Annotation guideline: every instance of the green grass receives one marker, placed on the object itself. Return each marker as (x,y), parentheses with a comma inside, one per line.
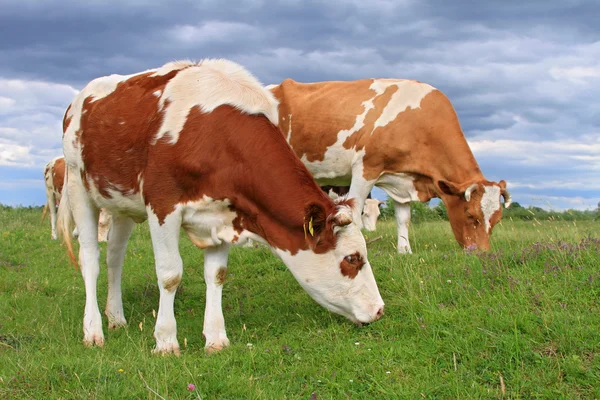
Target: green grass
(457,324)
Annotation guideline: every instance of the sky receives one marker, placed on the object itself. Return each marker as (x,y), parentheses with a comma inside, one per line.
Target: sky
(523,76)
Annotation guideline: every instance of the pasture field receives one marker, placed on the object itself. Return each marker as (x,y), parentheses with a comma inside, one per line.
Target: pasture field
(520,322)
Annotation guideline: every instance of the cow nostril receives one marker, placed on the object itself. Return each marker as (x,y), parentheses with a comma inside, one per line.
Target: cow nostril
(380,313)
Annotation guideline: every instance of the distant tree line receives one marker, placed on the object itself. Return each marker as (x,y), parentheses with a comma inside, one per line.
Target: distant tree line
(421,212)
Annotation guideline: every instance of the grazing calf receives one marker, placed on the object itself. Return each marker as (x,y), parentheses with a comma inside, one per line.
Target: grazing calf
(54,174)
(400,135)
(195,146)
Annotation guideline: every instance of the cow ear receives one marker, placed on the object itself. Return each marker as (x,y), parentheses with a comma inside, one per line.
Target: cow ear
(315,219)
(448,188)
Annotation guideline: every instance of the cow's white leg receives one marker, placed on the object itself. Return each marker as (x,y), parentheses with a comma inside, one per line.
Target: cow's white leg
(169,270)
(402,212)
(359,190)
(215,270)
(115,254)
(85,215)
(52,209)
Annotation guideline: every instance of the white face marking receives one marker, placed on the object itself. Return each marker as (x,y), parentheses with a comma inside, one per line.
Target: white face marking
(320,275)
(210,84)
(490,203)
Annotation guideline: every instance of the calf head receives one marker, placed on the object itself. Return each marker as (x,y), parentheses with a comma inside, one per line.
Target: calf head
(370,214)
(334,269)
(474,209)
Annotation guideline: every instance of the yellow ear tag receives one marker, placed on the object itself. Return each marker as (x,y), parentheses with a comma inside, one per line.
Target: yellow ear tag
(310,227)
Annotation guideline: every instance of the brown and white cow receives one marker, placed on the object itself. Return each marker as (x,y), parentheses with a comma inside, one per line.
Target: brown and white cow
(400,135)
(196,146)
(54,173)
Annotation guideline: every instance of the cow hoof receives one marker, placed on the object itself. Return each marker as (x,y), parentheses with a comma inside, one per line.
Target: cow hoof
(215,347)
(93,339)
(116,323)
(167,348)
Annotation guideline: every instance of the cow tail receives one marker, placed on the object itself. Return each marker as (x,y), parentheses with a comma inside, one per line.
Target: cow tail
(44,212)
(65,222)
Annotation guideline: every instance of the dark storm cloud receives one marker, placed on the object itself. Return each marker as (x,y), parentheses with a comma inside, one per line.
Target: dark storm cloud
(517,72)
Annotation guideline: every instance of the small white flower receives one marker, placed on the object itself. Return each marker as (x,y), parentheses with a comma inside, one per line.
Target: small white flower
(449,281)
(388,372)
(357,343)
(249,345)
(350,380)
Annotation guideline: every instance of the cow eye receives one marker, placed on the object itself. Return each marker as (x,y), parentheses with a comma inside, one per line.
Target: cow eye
(355,259)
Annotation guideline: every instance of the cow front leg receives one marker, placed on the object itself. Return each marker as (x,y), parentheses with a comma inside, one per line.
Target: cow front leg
(359,190)
(215,271)
(115,254)
(402,213)
(169,270)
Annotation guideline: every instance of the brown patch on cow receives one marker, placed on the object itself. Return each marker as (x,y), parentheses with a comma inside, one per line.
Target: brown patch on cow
(248,158)
(221,276)
(131,99)
(171,284)
(313,132)
(351,265)
(58,174)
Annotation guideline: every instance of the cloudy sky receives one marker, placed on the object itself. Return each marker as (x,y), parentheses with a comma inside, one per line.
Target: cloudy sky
(524,76)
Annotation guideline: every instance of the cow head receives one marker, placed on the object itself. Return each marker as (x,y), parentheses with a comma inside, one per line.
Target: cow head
(334,269)
(474,209)
(370,214)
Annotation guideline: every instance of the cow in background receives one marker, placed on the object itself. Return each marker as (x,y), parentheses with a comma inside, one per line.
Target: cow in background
(400,135)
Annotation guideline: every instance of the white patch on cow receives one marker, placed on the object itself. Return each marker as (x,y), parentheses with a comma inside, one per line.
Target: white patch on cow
(320,275)
(409,95)
(171,66)
(157,93)
(490,203)
(400,187)
(208,85)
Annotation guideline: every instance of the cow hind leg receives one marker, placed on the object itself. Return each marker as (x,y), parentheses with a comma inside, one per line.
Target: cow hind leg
(169,270)
(52,209)
(85,214)
(115,254)
(215,271)
(402,213)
